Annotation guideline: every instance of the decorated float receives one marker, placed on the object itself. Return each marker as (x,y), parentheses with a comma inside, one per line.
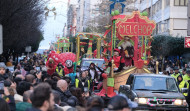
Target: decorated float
(62,45)
(80,45)
(135,30)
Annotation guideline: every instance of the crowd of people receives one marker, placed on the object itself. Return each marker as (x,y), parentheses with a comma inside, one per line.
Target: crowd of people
(30,88)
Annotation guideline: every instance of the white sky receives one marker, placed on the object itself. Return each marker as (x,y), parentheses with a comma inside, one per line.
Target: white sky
(55,27)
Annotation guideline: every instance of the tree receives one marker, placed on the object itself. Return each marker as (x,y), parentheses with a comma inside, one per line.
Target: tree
(22,22)
(165,45)
(103,16)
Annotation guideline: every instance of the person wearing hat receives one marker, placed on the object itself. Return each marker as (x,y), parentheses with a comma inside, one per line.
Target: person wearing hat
(182,84)
(186,77)
(119,62)
(176,73)
(3,75)
(59,70)
(121,103)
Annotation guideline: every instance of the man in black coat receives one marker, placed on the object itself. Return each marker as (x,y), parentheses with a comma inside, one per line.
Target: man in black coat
(62,89)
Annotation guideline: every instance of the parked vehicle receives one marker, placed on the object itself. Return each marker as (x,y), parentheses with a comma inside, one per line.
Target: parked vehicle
(154,92)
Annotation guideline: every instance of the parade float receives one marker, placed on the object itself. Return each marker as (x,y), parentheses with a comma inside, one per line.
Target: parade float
(62,45)
(80,45)
(138,29)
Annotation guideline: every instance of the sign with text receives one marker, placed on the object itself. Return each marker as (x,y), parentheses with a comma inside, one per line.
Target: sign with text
(187,42)
(135,25)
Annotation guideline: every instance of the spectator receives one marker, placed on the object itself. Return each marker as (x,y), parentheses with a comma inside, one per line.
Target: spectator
(3,105)
(52,83)
(42,98)
(181,62)
(183,72)
(171,71)
(22,106)
(55,76)
(186,65)
(30,78)
(18,69)
(121,103)
(95,104)
(78,70)
(21,88)
(62,89)
(9,99)
(73,77)
(72,101)
(68,80)
(57,101)
(17,80)
(9,63)
(79,95)
(20,76)
(45,76)
(165,72)
(3,75)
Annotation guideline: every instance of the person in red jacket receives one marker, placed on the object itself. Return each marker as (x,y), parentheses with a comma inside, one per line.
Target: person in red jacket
(119,62)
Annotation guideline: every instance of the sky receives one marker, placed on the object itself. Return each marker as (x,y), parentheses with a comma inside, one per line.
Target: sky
(55,27)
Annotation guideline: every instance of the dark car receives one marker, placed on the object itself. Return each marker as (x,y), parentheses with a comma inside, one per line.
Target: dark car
(154,92)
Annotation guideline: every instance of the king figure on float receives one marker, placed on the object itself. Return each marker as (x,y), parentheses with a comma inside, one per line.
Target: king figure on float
(127,50)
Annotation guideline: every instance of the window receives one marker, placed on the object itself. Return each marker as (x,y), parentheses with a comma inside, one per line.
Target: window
(176,2)
(180,2)
(186,2)
(155,84)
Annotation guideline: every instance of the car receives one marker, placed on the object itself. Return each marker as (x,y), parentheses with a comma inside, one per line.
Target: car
(154,92)
(85,63)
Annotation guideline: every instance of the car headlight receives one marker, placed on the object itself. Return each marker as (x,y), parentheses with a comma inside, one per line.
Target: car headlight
(178,102)
(141,100)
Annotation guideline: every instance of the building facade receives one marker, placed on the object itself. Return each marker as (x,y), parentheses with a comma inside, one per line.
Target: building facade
(71,20)
(86,11)
(170,15)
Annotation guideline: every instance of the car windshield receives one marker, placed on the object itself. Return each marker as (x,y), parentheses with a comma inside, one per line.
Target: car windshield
(86,63)
(155,84)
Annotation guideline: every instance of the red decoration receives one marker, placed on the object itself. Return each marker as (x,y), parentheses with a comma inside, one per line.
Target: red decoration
(136,25)
(187,42)
(61,58)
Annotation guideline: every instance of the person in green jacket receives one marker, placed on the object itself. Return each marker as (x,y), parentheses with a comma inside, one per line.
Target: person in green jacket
(22,106)
(176,73)
(182,84)
(186,77)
